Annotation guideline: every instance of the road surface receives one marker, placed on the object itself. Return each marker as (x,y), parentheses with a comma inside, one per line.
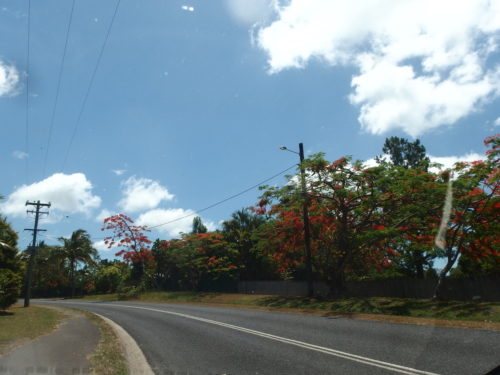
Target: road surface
(190,339)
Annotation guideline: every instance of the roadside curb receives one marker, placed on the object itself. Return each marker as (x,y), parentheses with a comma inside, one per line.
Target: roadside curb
(136,361)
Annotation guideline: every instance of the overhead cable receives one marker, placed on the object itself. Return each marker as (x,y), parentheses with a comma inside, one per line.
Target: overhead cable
(226,199)
(56,100)
(26,133)
(92,78)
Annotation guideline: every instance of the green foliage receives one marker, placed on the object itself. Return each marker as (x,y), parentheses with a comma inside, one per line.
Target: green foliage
(10,267)
(406,154)
(242,233)
(198,226)
(351,214)
(10,283)
(194,262)
(130,292)
(75,250)
(110,278)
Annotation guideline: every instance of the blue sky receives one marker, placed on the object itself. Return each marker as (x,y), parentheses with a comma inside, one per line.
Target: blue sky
(191,100)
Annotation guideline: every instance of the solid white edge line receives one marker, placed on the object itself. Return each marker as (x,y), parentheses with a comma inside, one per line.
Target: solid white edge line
(353,357)
(136,360)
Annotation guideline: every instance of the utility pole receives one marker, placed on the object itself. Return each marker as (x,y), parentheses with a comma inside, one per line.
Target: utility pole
(307,231)
(32,248)
(305,219)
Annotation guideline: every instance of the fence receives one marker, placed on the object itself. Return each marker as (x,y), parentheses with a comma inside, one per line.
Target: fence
(487,289)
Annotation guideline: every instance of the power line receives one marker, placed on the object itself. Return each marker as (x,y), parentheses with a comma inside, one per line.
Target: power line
(58,89)
(26,135)
(221,201)
(77,123)
(226,199)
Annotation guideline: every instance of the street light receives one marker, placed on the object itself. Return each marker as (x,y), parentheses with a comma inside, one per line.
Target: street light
(305,217)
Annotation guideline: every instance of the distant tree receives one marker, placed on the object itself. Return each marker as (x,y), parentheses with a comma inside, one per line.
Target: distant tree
(50,271)
(132,242)
(241,232)
(187,262)
(111,275)
(77,249)
(198,226)
(406,154)
(10,276)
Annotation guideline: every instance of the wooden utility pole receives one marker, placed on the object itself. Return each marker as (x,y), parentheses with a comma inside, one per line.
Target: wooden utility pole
(305,218)
(32,248)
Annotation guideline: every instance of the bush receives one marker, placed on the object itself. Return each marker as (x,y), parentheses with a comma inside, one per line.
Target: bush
(10,267)
(10,285)
(129,292)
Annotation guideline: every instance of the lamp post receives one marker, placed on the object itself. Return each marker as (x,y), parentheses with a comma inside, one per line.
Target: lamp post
(305,218)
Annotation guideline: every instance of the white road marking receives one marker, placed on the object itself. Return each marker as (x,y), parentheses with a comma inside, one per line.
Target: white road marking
(337,353)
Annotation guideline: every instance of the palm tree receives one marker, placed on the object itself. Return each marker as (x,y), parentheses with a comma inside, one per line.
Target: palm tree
(77,249)
(240,231)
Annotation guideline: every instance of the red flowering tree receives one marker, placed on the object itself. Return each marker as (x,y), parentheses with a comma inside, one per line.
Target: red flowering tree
(416,214)
(130,240)
(194,261)
(474,222)
(350,216)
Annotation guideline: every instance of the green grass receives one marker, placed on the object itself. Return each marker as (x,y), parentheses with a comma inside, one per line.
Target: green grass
(19,323)
(421,308)
(108,358)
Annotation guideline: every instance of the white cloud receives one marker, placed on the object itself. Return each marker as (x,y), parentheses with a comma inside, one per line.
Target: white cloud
(118,172)
(100,246)
(188,8)
(446,161)
(19,155)
(449,161)
(9,79)
(422,64)
(178,219)
(103,215)
(142,194)
(248,13)
(497,122)
(67,193)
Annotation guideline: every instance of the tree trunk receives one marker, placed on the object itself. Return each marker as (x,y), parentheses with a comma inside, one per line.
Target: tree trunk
(72,266)
(337,285)
(438,291)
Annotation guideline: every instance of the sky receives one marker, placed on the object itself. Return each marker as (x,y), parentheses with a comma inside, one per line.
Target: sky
(160,108)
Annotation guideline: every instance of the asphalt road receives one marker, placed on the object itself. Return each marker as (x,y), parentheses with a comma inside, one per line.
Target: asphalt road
(189,339)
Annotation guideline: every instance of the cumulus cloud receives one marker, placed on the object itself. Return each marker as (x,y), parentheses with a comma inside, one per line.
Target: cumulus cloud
(19,155)
(142,194)
(9,79)
(178,219)
(421,63)
(100,246)
(118,172)
(445,161)
(247,13)
(68,194)
(449,161)
(497,122)
(103,215)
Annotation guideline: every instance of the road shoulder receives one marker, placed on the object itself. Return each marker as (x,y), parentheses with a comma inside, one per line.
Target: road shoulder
(64,350)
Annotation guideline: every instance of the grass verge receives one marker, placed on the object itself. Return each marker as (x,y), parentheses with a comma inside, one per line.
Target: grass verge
(417,311)
(108,357)
(19,324)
